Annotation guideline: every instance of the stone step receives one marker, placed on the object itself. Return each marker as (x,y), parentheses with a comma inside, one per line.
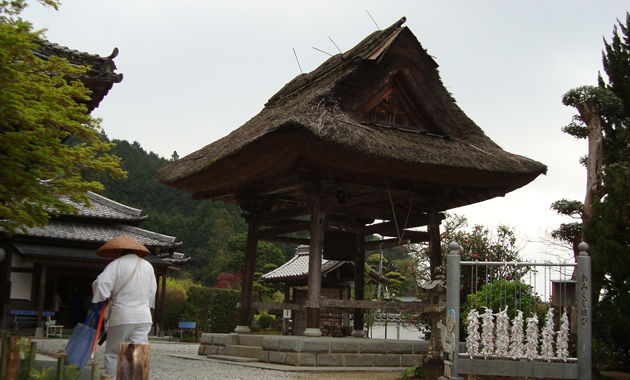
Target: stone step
(236,359)
(244,351)
(250,340)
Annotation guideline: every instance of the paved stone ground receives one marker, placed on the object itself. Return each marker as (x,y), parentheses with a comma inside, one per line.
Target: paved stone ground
(165,364)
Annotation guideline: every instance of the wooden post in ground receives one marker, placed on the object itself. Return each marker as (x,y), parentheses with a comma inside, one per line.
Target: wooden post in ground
(13,359)
(133,361)
(96,369)
(4,341)
(61,366)
(30,363)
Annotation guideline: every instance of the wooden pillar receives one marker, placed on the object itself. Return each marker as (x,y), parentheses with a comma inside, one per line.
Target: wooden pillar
(39,332)
(287,299)
(359,290)
(242,322)
(5,287)
(315,271)
(435,248)
(162,304)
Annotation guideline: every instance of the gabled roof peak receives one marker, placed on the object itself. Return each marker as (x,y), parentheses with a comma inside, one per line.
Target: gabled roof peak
(371,48)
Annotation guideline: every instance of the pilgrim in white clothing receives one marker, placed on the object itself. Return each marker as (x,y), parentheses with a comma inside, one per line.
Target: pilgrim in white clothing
(130,319)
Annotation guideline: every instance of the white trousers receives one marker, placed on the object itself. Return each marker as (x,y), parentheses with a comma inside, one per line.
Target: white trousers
(133,333)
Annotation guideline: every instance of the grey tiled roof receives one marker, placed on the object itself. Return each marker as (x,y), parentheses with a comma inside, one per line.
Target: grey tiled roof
(73,253)
(106,208)
(100,233)
(298,266)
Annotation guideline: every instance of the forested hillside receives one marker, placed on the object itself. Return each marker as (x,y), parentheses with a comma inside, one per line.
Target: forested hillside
(203,226)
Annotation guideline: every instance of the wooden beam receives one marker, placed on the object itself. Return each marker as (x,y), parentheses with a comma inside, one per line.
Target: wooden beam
(275,306)
(286,240)
(343,227)
(387,243)
(414,220)
(378,228)
(284,229)
(360,304)
(273,216)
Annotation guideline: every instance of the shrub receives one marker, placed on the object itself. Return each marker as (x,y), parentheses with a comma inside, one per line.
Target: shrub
(213,309)
(265,321)
(174,308)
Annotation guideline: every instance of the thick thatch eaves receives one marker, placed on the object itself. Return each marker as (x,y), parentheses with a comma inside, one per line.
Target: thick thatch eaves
(329,121)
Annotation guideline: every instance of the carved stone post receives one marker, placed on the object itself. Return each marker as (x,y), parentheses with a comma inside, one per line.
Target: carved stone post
(452,298)
(584,313)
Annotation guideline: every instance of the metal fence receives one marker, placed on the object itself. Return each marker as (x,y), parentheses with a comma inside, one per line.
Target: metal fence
(575,368)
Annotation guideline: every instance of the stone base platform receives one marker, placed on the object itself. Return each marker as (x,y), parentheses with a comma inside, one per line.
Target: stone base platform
(302,351)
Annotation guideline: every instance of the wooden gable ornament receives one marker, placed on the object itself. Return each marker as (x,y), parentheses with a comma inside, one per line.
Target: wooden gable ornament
(392,108)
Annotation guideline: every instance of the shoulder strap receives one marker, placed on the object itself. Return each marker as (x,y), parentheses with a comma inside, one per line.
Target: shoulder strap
(127,280)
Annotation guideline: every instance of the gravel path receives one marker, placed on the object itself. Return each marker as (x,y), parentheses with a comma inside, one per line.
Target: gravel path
(163,366)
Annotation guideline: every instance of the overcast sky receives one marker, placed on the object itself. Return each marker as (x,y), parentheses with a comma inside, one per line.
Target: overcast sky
(194,70)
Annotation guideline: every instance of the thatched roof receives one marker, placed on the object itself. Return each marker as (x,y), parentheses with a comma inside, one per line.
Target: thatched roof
(332,123)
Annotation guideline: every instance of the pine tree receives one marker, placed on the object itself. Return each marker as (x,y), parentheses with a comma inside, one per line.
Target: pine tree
(605,224)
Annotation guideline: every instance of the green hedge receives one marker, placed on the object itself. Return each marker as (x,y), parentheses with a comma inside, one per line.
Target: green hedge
(174,308)
(213,309)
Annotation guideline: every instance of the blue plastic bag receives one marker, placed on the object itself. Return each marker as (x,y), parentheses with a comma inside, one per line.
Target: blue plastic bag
(79,346)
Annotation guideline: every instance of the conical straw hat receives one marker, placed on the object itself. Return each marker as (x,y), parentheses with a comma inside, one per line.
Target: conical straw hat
(115,247)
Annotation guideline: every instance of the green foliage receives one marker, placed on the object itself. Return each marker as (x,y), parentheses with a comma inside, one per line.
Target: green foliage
(496,296)
(42,107)
(213,309)
(414,372)
(203,226)
(265,320)
(174,307)
(478,243)
(234,251)
(180,284)
(569,233)
(607,232)
(395,282)
(374,259)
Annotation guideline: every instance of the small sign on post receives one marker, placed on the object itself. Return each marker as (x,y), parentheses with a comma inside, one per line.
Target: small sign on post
(286,314)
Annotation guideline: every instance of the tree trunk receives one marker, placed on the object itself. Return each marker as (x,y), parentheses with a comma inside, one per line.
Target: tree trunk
(593,122)
(594,182)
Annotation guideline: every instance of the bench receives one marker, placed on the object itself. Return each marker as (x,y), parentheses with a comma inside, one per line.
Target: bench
(183,327)
(53,328)
(24,317)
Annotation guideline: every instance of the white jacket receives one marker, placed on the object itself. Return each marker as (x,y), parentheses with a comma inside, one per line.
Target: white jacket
(133,302)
